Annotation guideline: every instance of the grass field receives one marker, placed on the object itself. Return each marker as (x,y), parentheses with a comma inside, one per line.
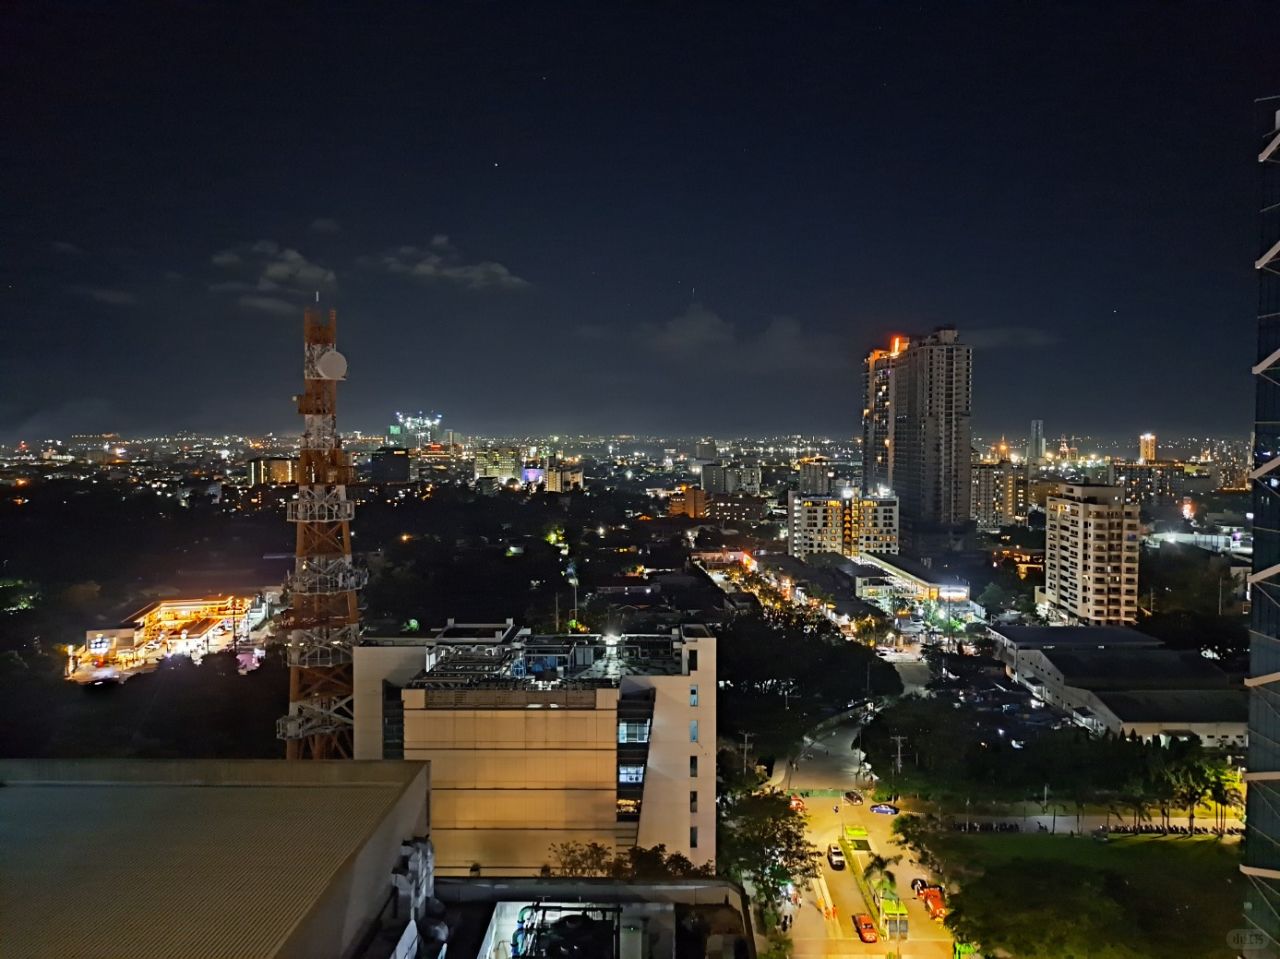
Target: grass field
(1184,895)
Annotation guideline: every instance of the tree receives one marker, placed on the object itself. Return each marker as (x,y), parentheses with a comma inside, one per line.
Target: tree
(994,598)
(879,875)
(1025,909)
(762,841)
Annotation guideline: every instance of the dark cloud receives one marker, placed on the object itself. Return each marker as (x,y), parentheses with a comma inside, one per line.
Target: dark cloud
(441,264)
(702,336)
(102,294)
(268,304)
(267,267)
(324,224)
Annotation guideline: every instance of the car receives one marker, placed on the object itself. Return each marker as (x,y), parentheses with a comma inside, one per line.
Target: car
(865,928)
(884,809)
(835,856)
(797,804)
(853,797)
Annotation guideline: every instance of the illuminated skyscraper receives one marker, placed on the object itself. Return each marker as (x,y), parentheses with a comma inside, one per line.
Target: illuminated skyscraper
(931,442)
(877,416)
(1147,448)
(1036,447)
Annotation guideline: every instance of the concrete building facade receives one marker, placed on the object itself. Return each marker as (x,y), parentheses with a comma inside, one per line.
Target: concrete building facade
(1091,556)
(849,524)
(999,494)
(932,442)
(540,740)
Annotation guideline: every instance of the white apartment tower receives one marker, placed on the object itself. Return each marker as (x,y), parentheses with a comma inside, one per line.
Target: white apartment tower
(1091,556)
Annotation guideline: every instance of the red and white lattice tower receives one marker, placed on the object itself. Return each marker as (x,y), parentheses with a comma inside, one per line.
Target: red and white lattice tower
(323,618)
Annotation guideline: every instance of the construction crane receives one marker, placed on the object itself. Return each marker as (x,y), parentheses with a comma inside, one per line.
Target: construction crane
(323,618)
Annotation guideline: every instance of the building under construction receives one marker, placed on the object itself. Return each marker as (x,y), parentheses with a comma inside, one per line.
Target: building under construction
(323,619)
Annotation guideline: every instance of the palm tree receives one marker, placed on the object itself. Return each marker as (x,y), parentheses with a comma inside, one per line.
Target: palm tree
(1224,794)
(1192,786)
(879,877)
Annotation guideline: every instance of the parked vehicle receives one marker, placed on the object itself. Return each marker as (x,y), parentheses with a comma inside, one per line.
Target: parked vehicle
(865,927)
(917,884)
(931,896)
(797,804)
(853,797)
(884,809)
(835,856)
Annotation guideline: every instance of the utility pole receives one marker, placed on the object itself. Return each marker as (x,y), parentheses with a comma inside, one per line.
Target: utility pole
(746,744)
(898,741)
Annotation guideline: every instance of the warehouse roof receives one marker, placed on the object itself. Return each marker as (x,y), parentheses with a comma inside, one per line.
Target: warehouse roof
(1074,637)
(181,859)
(1126,669)
(1178,705)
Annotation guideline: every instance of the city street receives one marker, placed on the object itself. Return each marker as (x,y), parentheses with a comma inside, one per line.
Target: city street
(830,763)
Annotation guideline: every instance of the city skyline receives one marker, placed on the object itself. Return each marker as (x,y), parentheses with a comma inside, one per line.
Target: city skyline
(506,233)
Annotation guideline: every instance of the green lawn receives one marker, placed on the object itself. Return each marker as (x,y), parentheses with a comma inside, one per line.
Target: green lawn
(1180,896)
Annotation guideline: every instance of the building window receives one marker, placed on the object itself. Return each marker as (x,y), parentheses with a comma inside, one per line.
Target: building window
(693,695)
(693,837)
(693,800)
(693,730)
(630,774)
(631,731)
(693,660)
(693,767)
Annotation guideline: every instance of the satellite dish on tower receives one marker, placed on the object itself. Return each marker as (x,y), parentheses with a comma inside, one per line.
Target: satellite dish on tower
(332,366)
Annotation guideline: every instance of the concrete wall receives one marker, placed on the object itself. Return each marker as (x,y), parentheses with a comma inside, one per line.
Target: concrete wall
(665,816)
(508,783)
(372,664)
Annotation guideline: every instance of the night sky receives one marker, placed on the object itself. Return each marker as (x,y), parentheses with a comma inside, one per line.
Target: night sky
(628,217)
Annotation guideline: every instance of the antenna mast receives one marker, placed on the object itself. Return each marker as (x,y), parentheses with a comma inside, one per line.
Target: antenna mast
(323,616)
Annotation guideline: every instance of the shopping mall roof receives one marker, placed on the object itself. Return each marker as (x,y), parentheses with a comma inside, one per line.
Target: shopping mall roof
(1075,637)
(180,859)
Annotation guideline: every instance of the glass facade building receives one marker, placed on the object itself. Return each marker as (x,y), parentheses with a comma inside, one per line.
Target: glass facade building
(1262,839)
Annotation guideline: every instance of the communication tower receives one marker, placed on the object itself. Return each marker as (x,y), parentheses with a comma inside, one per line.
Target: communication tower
(323,618)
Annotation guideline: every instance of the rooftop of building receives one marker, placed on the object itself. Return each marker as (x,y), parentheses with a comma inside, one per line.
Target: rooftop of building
(1130,668)
(1075,637)
(169,858)
(573,661)
(905,566)
(1178,705)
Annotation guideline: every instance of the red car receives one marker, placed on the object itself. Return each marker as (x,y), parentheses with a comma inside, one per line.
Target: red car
(866,929)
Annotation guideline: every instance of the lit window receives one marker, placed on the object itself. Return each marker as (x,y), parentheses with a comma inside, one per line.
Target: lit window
(693,730)
(693,695)
(630,774)
(633,731)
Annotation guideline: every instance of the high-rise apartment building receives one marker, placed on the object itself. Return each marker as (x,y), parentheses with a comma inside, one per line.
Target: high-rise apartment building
(931,442)
(1091,556)
(1261,864)
(1035,446)
(502,465)
(272,470)
(1147,448)
(877,417)
(718,479)
(1147,483)
(848,524)
(999,494)
(816,477)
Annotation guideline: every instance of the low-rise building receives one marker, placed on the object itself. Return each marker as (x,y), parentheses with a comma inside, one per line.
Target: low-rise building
(262,858)
(540,740)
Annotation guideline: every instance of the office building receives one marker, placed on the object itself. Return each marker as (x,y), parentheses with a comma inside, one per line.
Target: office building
(735,509)
(390,465)
(213,858)
(272,470)
(705,450)
(719,479)
(539,740)
(1091,556)
(499,465)
(931,443)
(564,479)
(688,501)
(816,477)
(999,494)
(1146,483)
(849,524)
(1147,448)
(1262,842)
(877,417)
(1035,445)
